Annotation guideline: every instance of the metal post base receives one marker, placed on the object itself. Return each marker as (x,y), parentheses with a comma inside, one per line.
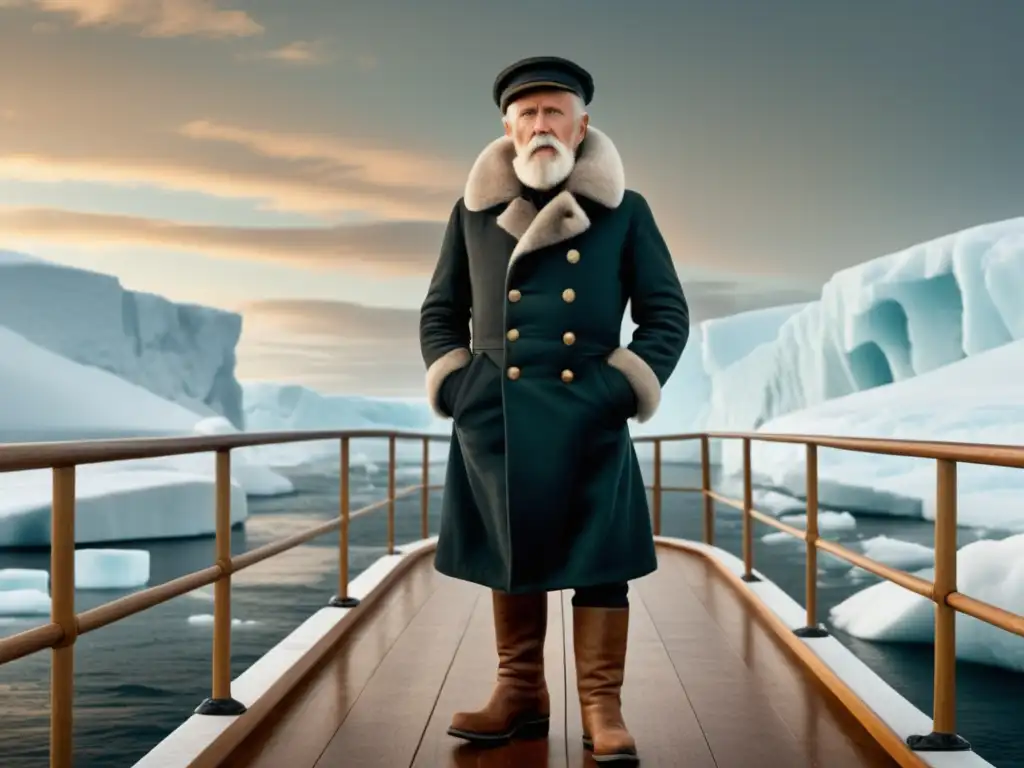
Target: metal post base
(343,602)
(818,631)
(220,707)
(751,578)
(939,742)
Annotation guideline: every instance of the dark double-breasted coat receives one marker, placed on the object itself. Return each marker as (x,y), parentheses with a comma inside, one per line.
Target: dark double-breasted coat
(543,490)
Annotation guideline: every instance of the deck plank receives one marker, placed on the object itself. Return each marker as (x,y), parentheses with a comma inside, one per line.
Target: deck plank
(708,685)
(655,706)
(384,727)
(469,684)
(829,735)
(733,709)
(299,732)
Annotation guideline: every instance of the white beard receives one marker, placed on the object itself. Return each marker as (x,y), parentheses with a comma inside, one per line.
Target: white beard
(542,171)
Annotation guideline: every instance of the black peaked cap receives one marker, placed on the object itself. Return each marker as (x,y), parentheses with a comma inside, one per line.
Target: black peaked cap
(539,72)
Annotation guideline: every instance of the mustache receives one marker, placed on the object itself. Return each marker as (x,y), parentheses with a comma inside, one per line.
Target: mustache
(545,140)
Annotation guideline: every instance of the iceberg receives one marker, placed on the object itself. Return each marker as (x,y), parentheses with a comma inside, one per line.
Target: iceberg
(905,555)
(49,397)
(880,322)
(827,521)
(184,353)
(992,571)
(270,407)
(24,578)
(206,620)
(115,502)
(111,568)
(24,602)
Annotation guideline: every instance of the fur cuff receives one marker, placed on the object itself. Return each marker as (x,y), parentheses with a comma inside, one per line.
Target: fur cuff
(439,370)
(642,378)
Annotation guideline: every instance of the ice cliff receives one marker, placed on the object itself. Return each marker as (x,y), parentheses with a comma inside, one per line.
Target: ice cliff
(883,321)
(182,352)
(82,358)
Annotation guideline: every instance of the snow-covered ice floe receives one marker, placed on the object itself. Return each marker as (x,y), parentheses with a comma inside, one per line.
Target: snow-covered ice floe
(111,568)
(991,571)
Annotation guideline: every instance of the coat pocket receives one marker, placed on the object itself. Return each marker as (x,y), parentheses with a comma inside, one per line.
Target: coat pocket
(622,402)
(463,393)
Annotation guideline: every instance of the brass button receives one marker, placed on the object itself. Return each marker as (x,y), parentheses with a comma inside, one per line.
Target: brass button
(514,295)
(568,376)
(569,338)
(568,295)
(513,334)
(573,256)
(513,373)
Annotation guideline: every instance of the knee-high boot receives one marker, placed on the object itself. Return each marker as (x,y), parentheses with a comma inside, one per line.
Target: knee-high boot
(519,706)
(599,640)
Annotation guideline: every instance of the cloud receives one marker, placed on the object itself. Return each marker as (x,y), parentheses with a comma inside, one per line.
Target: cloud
(386,248)
(156,18)
(387,167)
(300,52)
(297,52)
(312,173)
(306,53)
(323,191)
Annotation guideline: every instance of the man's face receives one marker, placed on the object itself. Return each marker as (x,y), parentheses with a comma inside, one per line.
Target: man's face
(545,132)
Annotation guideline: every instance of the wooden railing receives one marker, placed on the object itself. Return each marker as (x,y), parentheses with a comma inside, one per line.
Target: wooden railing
(65,625)
(943,591)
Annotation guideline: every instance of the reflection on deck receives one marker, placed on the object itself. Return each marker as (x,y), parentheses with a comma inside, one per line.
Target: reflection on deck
(707,685)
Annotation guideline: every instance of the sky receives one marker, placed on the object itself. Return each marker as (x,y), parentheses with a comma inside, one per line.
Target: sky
(295,160)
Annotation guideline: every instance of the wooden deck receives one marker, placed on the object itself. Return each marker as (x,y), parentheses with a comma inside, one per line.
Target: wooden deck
(707,686)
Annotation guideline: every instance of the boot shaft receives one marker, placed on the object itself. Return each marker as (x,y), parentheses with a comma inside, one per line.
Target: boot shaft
(600,641)
(520,627)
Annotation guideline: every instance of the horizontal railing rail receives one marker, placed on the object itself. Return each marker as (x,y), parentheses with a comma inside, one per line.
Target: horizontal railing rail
(65,625)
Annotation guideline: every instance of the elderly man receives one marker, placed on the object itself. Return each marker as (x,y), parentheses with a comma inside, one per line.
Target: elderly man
(543,490)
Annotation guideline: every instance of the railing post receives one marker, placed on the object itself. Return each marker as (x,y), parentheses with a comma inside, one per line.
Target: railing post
(220,702)
(705,484)
(657,488)
(748,519)
(392,490)
(425,491)
(342,599)
(62,612)
(944,737)
(812,628)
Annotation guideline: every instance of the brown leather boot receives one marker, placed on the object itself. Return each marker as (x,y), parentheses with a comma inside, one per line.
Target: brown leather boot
(519,706)
(599,640)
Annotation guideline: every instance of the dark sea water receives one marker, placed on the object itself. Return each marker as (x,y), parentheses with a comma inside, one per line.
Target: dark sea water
(137,680)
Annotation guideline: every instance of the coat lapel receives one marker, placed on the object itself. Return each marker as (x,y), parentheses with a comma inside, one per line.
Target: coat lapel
(598,175)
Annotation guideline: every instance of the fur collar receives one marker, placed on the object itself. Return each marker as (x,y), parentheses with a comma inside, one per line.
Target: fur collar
(598,174)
